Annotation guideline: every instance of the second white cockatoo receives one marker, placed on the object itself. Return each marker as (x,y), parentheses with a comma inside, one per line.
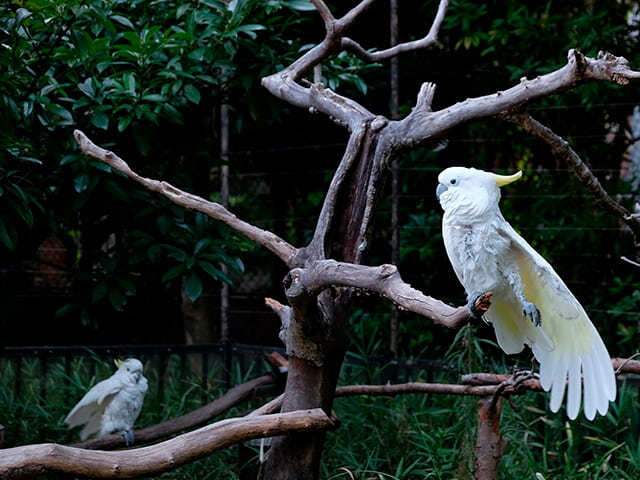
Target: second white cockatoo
(531,305)
(112,405)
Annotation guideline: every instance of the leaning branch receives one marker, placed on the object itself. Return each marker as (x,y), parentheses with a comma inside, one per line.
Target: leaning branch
(384,280)
(422,125)
(42,459)
(272,242)
(562,148)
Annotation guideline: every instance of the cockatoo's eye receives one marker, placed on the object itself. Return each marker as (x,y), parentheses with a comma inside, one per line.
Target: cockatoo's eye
(453,182)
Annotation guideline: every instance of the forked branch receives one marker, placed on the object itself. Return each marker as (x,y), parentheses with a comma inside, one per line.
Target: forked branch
(424,42)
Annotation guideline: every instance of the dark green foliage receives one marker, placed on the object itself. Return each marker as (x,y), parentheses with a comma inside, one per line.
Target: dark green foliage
(133,72)
(412,436)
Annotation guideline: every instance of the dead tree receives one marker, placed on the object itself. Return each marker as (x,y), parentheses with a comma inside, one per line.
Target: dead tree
(324,275)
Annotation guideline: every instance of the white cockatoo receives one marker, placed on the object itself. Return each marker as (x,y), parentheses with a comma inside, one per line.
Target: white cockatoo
(531,304)
(112,405)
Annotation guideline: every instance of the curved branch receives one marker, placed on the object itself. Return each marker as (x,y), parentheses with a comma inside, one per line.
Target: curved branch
(272,242)
(384,280)
(428,40)
(562,148)
(22,462)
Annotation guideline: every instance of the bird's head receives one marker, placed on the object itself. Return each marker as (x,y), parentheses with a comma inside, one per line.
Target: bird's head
(470,192)
(130,365)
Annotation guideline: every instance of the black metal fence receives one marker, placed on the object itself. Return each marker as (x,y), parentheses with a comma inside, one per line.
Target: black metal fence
(227,362)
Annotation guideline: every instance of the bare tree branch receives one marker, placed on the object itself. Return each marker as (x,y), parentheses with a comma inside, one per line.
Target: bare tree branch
(562,148)
(428,40)
(284,84)
(422,125)
(39,459)
(384,280)
(419,387)
(272,242)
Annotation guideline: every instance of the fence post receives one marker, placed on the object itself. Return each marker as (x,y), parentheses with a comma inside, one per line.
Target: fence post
(489,443)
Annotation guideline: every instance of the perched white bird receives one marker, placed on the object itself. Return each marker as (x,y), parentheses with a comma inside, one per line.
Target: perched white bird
(112,405)
(531,304)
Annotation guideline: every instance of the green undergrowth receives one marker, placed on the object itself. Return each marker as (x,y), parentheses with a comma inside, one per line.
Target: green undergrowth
(411,436)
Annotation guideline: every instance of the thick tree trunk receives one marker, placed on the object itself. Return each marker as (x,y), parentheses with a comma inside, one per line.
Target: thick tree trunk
(318,338)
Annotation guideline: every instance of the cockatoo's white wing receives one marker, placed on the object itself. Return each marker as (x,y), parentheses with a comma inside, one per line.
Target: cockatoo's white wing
(576,350)
(112,405)
(92,405)
(531,305)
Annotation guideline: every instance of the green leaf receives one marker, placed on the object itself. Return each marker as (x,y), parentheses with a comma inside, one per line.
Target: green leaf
(172,113)
(123,21)
(87,88)
(248,29)
(124,122)
(99,292)
(100,120)
(193,285)
(117,299)
(66,309)
(192,93)
(300,5)
(200,245)
(8,235)
(81,182)
(173,272)
(210,268)
(129,80)
(65,117)
(153,97)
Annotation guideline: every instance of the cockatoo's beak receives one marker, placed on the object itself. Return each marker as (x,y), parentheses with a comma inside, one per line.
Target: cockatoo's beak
(440,190)
(502,180)
(118,362)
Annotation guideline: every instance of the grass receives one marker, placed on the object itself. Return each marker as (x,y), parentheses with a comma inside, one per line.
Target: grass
(411,436)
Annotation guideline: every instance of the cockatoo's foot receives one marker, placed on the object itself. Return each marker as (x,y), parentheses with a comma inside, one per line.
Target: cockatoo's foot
(530,311)
(478,303)
(520,376)
(128,437)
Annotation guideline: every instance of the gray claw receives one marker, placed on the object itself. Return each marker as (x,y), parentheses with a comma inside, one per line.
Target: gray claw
(128,437)
(530,311)
(471,303)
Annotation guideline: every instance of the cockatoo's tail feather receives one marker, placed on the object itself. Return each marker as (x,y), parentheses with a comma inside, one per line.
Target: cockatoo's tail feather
(488,255)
